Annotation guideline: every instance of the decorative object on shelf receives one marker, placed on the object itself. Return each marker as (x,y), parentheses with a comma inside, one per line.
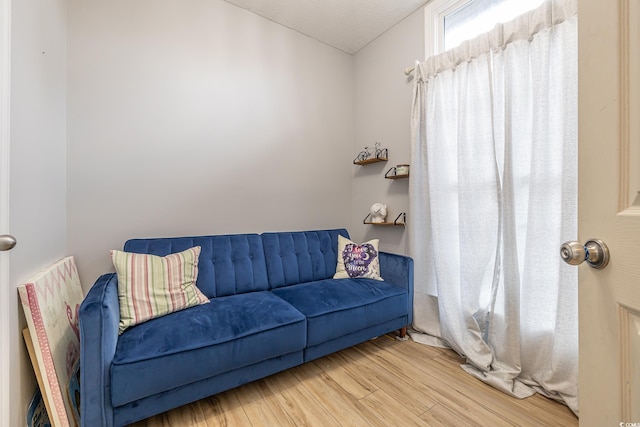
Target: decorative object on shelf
(402,170)
(371,155)
(396,172)
(401,219)
(378,212)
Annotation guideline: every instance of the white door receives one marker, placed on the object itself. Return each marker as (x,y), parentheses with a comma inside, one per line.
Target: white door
(33,56)
(5,295)
(609,209)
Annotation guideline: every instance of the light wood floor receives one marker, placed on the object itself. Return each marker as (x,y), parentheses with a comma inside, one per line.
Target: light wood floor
(383,383)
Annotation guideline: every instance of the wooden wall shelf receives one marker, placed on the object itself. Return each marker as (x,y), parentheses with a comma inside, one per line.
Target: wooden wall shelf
(397,176)
(369,161)
(381,155)
(401,219)
(391,174)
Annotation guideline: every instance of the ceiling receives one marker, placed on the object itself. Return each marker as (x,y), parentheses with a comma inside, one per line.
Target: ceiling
(347,25)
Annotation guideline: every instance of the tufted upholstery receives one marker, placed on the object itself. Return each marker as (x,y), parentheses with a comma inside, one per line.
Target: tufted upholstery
(300,257)
(274,305)
(229,264)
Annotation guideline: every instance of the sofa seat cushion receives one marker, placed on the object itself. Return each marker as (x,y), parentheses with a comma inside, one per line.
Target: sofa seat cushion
(337,307)
(203,341)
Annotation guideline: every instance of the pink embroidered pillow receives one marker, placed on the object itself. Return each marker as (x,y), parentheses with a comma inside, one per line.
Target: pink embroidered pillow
(150,286)
(357,261)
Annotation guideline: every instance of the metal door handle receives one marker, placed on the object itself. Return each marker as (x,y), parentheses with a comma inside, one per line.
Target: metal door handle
(594,252)
(7,242)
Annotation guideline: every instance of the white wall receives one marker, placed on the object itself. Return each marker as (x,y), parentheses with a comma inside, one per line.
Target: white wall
(197,117)
(192,117)
(383,96)
(37,164)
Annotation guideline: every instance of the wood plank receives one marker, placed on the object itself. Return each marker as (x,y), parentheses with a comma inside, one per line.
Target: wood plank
(416,396)
(442,415)
(445,372)
(300,404)
(335,399)
(223,409)
(460,390)
(370,160)
(389,410)
(377,383)
(516,410)
(544,410)
(261,405)
(339,370)
(439,388)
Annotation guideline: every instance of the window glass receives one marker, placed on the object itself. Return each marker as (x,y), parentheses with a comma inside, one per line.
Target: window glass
(479,16)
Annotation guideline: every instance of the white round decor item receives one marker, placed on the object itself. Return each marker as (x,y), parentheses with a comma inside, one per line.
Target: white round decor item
(378,212)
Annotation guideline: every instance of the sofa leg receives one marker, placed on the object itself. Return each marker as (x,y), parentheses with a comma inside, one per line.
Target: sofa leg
(403,332)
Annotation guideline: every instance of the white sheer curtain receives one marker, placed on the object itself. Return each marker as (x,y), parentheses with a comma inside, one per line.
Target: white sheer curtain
(493,195)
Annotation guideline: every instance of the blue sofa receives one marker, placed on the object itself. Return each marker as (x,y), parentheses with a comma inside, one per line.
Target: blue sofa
(273,305)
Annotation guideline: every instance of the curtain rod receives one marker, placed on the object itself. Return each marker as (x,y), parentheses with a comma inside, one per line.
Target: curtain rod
(409,70)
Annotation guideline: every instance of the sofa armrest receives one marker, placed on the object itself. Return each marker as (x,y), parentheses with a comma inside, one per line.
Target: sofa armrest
(99,318)
(398,269)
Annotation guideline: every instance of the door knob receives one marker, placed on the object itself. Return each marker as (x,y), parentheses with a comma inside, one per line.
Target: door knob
(594,252)
(7,242)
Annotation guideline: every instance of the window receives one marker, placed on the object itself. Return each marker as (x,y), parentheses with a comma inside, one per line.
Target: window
(450,22)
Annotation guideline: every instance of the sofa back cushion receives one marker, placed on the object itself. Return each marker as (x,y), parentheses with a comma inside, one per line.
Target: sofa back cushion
(302,256)
(229,264)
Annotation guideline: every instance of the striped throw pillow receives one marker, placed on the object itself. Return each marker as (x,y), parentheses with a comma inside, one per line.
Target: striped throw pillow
(150,286)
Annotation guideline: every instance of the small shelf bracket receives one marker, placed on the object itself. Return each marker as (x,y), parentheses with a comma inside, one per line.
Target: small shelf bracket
(402,215)
(401,219)
(391,174)
(364,158)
